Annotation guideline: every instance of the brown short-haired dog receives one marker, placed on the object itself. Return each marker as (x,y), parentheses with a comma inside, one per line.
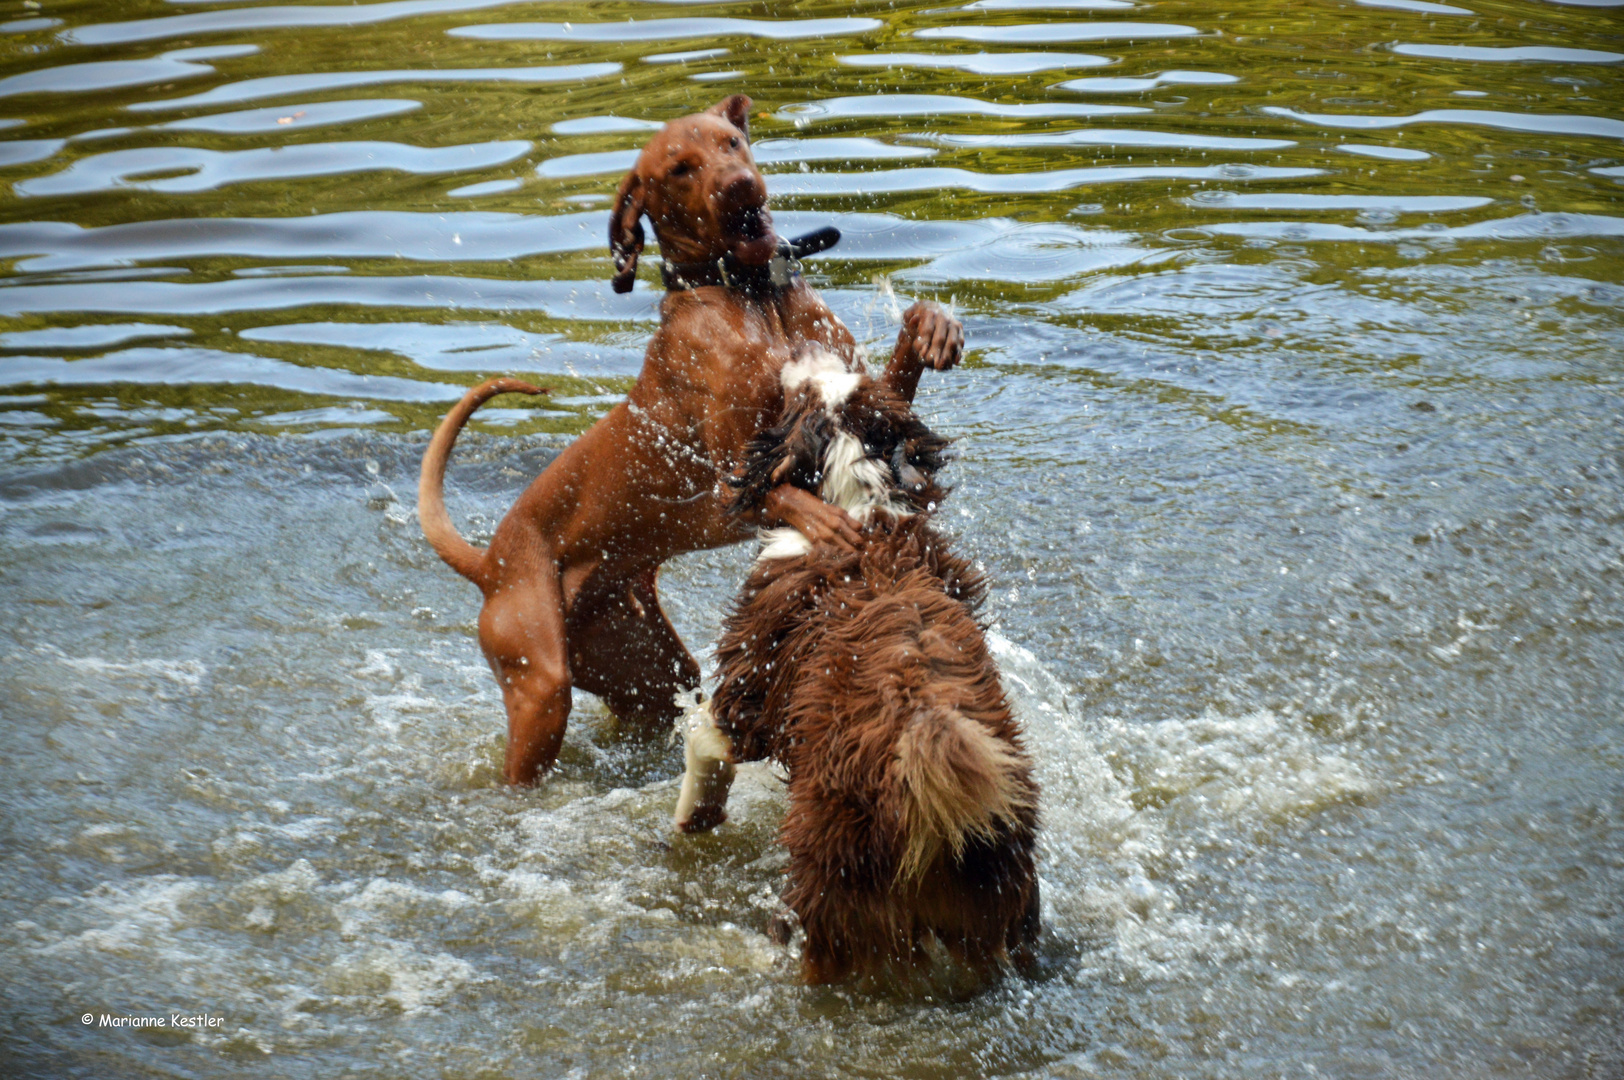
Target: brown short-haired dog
(912,808)
(569,577)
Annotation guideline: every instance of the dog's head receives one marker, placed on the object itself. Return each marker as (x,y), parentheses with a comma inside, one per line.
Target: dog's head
(699,185)
(847,439)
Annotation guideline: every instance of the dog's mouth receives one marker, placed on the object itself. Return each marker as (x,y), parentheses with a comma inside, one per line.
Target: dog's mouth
(757,241)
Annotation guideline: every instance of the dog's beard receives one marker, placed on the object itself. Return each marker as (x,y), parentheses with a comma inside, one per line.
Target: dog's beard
(757,241)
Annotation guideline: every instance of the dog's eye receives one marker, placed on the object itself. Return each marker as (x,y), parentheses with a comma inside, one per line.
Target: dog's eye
(681,169)
(733,142)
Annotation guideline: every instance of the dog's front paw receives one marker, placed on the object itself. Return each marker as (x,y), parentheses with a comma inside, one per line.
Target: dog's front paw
(937,336)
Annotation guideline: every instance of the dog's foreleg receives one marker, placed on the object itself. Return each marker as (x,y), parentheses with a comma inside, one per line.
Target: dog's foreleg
(708,767)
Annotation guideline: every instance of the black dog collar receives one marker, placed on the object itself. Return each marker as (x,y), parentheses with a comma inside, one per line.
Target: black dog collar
(775,276)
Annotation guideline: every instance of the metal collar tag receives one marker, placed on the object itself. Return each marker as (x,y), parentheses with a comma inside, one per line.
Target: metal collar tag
(780,269)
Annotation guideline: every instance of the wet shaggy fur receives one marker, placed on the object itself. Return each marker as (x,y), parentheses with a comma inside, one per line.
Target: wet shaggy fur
(912,808)
(794,450)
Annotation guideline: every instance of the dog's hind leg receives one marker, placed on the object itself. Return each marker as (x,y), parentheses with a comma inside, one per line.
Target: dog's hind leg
(1023,937)
(521,629)
(707,774)
(623,648)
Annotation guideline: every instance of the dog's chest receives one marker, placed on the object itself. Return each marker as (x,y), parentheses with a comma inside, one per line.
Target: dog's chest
(810,320)
(779,330)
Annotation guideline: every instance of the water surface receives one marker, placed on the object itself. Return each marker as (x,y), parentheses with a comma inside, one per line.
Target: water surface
(1290,437)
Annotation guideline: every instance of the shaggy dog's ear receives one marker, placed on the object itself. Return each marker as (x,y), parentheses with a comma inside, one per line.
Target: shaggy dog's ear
(789,453)
(626,231)
(893,433)
(736,111)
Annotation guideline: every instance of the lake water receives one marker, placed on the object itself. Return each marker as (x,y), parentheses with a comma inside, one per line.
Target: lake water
(1290,436)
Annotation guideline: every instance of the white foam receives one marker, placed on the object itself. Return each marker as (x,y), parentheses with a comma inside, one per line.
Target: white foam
(413,980)
(187,674)
(1257,766)
(385,904)
(1127,806)
(380,664)
(269,893)
(388,711)
(131,921)
(305,828)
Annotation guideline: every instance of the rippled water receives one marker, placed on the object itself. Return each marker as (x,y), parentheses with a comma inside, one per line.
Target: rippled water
(1290,436)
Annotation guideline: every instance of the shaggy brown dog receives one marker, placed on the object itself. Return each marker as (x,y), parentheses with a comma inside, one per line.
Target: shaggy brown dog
(912,808)
(569,577)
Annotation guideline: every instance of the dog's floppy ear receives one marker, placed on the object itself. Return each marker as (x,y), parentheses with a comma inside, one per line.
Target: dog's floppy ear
(626,231)
(736,111)
(791,452)
(893,433)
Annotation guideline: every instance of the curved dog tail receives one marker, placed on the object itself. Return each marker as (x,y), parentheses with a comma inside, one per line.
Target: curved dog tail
(958,782)
(458,553)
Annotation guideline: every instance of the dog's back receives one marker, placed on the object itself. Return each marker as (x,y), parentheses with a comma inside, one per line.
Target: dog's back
(866,674)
